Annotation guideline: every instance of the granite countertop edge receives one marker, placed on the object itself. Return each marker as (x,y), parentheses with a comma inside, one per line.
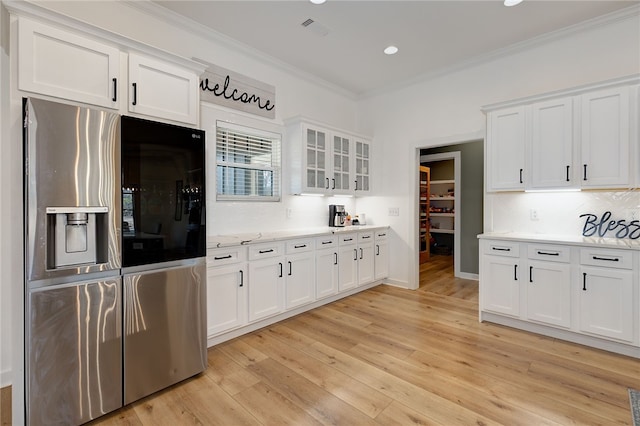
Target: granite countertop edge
(231,240)
(577,240)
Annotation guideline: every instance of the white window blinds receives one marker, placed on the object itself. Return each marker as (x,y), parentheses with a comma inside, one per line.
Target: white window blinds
(247,163)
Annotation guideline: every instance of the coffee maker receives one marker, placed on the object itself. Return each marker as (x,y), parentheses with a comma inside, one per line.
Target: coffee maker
(337,215)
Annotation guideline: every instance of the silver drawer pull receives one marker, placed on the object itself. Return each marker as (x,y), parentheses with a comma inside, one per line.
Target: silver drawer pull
(222,257)
(265,251)
(608,259)
(548,253)
(500,248)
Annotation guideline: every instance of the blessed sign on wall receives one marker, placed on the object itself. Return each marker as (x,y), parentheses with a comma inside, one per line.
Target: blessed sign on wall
(227,88)
(602,226)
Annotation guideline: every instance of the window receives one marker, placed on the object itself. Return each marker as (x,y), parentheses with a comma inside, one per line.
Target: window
(247,163)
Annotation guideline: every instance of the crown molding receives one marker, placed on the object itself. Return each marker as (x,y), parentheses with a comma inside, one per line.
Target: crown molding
(630,12)
(173,18)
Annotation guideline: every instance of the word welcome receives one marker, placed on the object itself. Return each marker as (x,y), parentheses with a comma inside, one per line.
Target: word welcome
(230,89)
(235,95)
(620,228)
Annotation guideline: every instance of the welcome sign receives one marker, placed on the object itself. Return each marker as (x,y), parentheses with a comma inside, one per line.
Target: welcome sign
(224,87)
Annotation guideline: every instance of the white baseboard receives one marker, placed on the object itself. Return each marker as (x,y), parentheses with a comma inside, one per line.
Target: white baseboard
(468,276)
(396,283)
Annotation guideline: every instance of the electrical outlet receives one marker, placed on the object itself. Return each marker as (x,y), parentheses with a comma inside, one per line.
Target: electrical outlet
(534,214)
(394,211)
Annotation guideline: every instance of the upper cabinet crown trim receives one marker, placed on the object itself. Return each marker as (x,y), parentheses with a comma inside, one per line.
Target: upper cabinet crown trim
(46,16)
(300,119)
(578,90)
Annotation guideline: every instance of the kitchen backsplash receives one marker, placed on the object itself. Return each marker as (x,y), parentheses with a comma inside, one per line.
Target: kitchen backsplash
(557,213)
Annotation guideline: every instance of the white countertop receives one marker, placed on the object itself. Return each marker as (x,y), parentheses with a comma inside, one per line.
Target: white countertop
(218,241)
(624,243)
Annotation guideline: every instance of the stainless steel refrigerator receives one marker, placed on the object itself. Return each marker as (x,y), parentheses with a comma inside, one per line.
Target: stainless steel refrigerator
(92,327)
(73,292)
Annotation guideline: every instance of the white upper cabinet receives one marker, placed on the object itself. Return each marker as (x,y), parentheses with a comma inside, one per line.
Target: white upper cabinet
(605,138)
(576,139)
(163,90)
(327,161)
(64,65)
(363,161)
(506,149)
(341,164)
(551,148)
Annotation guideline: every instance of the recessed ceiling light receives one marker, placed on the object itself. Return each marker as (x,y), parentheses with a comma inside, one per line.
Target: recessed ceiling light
(390,50)
(317,1)
(512,2)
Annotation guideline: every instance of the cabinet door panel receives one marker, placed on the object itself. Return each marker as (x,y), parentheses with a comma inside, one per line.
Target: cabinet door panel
(549,293)
(326,273)
(162,90)
(265,288)
(365,264)
(348,266)
(552,144)
(300,280)
(605,138)
(226,298)
(381,260)
(506,149)
(606,303)
(501,287)
(62,64)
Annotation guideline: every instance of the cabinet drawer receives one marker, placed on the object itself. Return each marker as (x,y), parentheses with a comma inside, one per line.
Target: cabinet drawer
(226,256)
(348,239)
(326,242)
(619,259)
(299,246)
(381,235)
(364,237)
(502,248)
(265,250)
(548,252)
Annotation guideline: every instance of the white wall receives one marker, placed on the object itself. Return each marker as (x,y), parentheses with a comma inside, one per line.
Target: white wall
(447,108)
(296,94)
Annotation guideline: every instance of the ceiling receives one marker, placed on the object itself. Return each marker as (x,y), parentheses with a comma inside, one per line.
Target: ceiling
(433,36)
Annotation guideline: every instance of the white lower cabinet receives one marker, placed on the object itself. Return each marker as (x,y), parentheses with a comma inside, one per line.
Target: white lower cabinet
(500,278)
(347,261)
(589,292)
(327,269)
(252,285)
(226,290)
(548,290)
(366,270)
(381,262)
(266,284)
(606,301)
(300,273)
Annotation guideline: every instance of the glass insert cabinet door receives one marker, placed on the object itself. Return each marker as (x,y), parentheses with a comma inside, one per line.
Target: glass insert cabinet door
(341,169)
(362,166)
(316,161)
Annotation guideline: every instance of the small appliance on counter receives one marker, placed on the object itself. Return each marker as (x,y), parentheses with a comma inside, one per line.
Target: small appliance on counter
(337,215)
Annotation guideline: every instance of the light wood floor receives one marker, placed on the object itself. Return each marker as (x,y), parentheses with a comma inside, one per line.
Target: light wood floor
(389,356)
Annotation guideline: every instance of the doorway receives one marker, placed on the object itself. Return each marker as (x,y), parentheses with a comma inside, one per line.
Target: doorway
(469,189)
(443,207)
